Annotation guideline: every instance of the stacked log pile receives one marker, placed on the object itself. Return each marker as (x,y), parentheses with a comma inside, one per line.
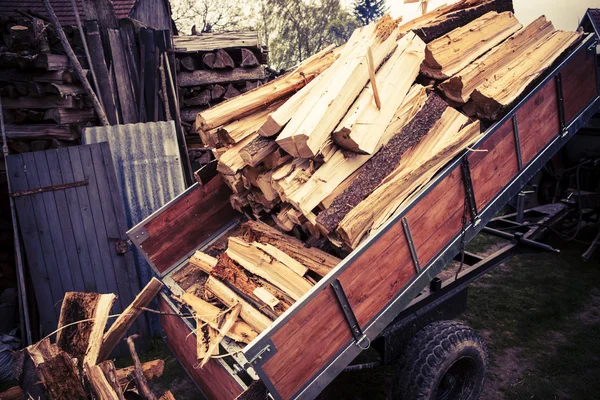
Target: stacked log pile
(211,68)
(43,101)
(76,366)
(326,154)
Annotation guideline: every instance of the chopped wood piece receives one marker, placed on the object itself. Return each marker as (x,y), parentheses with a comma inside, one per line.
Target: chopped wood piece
(206,77)
(69,116)
(250,85)
(230,161)
(189,114)
(341,165)
(282,219)
(39,131)
(256,99)
(83,340)
(140,380)
(363,126)
(235,183)
(326,104)
(235,131)
(248,59)
(217,92)
(201,99)
(218,60)
(239,201)
(211,315)
(441,145)
(187,63)
(260,263)
(61,89)
(314,259)
(291,176)
(60,377)
(276,159)
(257,150)
(251,315)
(385,161)
(128,317)
(446,56)
(223,331)
(150,369)
(494,97)
(231,92)
(460,87)
(102,383)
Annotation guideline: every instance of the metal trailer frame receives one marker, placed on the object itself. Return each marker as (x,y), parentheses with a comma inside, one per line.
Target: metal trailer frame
(263,348)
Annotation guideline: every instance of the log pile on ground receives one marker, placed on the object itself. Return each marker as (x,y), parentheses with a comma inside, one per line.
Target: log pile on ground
(43,102)
(323,156)
(77,365)
(211,68)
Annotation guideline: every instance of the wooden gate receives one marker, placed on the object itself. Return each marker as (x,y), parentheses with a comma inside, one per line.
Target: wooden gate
(73,226)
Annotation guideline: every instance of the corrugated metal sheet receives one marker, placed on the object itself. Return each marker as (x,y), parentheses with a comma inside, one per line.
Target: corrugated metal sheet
(148,167)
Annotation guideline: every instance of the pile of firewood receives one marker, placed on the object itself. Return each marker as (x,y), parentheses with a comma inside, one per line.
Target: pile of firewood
(77,365)
(333,148)
(43,102)
(212,68)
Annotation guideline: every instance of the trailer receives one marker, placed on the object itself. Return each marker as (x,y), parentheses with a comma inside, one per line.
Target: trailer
(385,284)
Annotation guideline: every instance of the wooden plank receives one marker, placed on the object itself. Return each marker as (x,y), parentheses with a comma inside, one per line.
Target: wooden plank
(33,246)
(150,71)
(214,381)
(192,219)
(126,97)
(214,41)
(538,121)
(579,83)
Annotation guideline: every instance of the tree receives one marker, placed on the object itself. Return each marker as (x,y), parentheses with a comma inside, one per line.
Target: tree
(367,11)
(301,28)
(208,15)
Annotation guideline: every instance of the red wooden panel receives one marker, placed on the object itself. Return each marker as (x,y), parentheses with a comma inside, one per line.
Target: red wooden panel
(579,83)
(191,219)
(432,221)
(496,167)
(216,383)
(538,121)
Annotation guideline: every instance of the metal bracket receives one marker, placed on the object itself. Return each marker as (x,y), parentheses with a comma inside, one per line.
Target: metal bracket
(466,173)
(591,51)
(49,188)
(357,332)
(411,245)
(259,356)
(517,141)
(561,105)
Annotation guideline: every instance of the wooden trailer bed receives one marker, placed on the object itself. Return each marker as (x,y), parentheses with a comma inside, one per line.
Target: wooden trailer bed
(304,349)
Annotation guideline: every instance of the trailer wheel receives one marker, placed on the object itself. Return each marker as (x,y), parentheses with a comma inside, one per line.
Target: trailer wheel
(446,360)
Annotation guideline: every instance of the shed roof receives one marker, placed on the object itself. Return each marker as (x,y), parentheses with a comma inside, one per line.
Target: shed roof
(592,20)
(62,8)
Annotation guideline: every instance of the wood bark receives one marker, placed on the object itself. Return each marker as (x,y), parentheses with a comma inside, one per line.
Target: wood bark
(446,56)
(128,317)
(257,150)
(104,385)
(64,116)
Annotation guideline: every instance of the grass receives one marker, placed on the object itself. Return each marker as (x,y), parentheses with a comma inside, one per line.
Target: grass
(543,307)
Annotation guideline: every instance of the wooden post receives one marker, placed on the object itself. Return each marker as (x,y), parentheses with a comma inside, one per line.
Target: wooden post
(76,65)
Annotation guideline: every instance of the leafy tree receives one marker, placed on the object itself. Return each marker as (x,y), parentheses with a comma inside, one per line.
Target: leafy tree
(301,28)
(367,11)
(204,16)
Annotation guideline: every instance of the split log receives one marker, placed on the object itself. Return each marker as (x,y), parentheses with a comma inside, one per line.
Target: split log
(231,92)
(202,99)
(229,298)
(314,259)
(205,77)
(235,183)
(218,60)
(460,87)
(230,320)
(189,114)
(326,104)
(211,315)
(140,380)
(56,62)
(248,59)
(282,218)
(40,131)
(150,369)
(187,63)
(217,92)
(251,85)
(235,131)
(102,384)
(257,150)
(363,126)
(276,159)
(127,318)
(61,89)
(256,99)
(493,98)
(386,160)
(83,340)
(230,161)
(440,146)
(239,200)
(63,116)
(263,182)
(291,176)
(342,165)
(260,263)
(446,56)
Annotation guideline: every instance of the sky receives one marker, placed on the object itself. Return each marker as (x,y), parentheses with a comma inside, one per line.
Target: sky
(565,14)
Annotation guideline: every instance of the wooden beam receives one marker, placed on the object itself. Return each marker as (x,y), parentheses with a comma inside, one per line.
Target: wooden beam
(127,103)
(207,77)
(39,131)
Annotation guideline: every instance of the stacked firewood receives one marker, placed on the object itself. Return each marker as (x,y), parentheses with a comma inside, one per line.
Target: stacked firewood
(43,102)
(337,145)
(212,68)
(77,365)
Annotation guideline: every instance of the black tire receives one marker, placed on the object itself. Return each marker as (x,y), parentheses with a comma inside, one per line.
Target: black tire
(446,360)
